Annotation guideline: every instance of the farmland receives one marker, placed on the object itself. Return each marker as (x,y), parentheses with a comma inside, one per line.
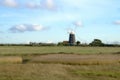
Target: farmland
(59,63)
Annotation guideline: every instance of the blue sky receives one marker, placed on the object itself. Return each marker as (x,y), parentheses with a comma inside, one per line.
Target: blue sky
(22,21)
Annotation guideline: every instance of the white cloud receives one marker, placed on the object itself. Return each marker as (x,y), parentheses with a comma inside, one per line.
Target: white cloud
(42,4)
(27,42)
(10,3)
(117,22)
(49,41)
(26,27)
(78,24)
(32,5)
(48,4)
(71,31)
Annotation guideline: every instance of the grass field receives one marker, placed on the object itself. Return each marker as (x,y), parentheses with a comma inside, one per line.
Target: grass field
(75,59)
(22,50)
(38,71)
(59,63)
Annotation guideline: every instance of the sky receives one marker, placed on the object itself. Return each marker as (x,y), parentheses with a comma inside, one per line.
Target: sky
(23,21)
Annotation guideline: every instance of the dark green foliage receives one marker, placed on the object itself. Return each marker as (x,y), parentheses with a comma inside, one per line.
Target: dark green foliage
(64,43)
(78,43)
(96,42)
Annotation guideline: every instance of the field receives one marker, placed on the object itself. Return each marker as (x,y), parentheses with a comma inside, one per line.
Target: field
(22,50)
(59,63)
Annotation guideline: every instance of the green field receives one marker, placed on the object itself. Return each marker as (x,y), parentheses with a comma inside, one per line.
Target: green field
(22,50)
(59,63)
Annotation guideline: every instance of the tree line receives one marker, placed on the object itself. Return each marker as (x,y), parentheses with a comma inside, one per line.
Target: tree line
(94,43)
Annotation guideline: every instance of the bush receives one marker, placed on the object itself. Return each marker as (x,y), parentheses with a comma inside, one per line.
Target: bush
(96,42)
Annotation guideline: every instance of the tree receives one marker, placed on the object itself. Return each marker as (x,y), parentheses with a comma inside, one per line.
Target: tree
(64,43)
(60,44)
(78,43)
(96,42)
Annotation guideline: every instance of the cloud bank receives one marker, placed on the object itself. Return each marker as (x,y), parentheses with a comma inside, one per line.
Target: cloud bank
(43,4)
(9,3)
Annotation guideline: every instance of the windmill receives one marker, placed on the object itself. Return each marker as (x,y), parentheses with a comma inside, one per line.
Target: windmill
(72,32)
(71,37)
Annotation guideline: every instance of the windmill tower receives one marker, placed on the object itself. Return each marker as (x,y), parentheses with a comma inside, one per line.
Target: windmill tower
(72,31)
(72,38)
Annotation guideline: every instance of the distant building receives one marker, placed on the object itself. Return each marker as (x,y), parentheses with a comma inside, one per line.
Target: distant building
(65,42)
(72,39)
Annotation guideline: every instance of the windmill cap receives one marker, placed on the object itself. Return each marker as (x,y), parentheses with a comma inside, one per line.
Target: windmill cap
(72,32)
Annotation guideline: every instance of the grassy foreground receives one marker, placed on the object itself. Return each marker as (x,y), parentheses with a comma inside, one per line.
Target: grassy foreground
(38,71)
(102,63)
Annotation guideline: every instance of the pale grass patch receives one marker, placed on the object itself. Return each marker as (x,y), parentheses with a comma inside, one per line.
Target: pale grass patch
(10,59)
(75,59)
